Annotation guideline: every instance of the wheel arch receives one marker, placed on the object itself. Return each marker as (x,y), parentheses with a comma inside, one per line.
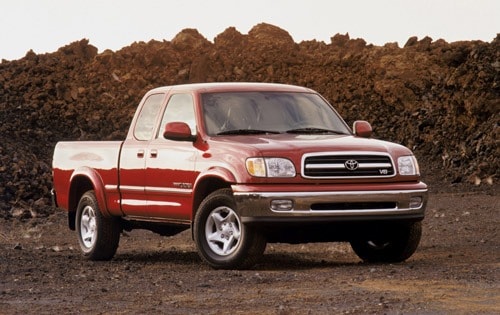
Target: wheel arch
(81,181)
(207,183)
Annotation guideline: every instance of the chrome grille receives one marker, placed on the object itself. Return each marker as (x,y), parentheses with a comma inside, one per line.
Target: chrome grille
(347,165)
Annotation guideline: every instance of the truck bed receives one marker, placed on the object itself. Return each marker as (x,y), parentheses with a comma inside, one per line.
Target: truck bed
(97,160)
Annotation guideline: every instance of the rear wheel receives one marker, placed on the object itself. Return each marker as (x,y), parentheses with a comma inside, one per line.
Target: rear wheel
(98,236)
(394,246)
(222,240)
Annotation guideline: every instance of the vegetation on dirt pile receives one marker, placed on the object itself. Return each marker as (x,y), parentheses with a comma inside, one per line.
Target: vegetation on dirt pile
(440,99)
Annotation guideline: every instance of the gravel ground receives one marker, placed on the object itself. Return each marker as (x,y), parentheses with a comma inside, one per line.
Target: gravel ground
(454,271)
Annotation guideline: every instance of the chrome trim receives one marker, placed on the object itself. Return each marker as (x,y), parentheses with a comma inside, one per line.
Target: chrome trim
(168,190)
(152,189)
(132,188)
(111,188)
(254,204)
(341,166)
(134,202)
(163,203)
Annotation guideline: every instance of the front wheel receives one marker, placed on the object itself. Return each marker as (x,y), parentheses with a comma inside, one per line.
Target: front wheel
(393,246)
(98,236)
(222,240)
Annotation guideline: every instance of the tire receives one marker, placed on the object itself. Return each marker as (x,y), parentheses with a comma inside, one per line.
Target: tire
(396,246)
(221,239)
(98,236)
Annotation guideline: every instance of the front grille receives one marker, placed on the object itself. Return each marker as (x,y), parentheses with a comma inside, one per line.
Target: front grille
(366,165)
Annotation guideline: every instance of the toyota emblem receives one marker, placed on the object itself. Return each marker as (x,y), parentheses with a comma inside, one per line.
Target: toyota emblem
(351,165)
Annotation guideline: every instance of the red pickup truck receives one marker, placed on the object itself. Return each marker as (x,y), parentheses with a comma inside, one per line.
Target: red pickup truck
(242,164)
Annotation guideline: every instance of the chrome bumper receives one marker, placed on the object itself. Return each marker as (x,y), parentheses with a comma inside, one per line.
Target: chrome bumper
(254,206)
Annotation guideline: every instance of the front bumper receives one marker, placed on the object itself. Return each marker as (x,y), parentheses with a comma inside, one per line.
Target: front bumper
(331,206)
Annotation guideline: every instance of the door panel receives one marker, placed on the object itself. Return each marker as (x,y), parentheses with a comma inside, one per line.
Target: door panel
(170,179)
(132,177)
(133,157)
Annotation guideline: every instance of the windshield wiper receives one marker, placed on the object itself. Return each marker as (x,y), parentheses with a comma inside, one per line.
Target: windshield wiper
(314,130)
(246,132)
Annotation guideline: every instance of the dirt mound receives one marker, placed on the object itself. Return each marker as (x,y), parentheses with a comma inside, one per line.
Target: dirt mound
(439,99)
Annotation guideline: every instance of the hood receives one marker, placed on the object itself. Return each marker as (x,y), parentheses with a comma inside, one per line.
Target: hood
(293,144)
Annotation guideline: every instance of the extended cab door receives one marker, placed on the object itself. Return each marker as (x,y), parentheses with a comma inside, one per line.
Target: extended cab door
(170,165)
(133,156)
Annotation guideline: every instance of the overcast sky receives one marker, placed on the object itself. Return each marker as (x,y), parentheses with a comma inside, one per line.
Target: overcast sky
(46,25)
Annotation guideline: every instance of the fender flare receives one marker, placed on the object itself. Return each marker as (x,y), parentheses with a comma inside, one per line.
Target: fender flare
(97,185)
(215,172)
(201,188)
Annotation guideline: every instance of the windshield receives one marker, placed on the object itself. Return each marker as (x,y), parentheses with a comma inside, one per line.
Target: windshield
(269,112)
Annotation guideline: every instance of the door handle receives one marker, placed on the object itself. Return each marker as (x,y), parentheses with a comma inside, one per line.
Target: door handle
(140,154)
(153,153)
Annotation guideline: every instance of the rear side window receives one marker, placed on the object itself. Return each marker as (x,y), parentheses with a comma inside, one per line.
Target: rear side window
(145,124)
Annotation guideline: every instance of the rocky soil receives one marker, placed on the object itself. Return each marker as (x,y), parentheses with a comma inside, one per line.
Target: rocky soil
(440,99)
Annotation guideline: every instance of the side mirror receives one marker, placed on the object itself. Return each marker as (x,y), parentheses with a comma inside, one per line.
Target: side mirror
(362,128)
(178,131)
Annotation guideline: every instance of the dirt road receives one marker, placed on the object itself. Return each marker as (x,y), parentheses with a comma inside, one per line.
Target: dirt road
(456,270)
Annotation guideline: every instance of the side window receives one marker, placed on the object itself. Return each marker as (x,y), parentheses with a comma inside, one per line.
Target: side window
(179,108)
(145,124)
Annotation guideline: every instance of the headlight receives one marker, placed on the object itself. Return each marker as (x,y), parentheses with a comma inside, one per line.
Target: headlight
(407,165)
(270,167)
